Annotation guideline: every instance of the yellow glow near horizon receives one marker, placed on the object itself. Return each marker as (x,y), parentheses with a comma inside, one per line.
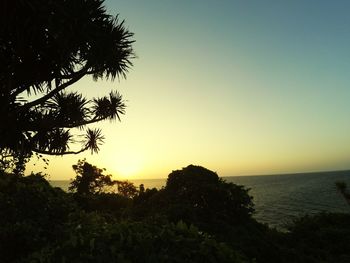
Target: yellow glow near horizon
(128,168)
(126,165)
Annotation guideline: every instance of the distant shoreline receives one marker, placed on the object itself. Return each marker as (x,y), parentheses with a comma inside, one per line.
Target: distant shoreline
(230,176)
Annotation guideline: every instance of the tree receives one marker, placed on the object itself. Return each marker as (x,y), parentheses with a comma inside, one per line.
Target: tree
(45,47)
(90,179)
(198,196)
(126,189)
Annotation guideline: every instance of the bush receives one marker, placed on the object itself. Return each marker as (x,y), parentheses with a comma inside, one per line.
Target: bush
(33,213)
(323,237)
(108,203)
(93,240)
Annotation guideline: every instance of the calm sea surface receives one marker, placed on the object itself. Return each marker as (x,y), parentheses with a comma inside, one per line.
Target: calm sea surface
(281,198)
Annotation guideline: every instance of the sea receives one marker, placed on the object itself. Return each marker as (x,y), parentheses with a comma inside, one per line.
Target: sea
(280,199)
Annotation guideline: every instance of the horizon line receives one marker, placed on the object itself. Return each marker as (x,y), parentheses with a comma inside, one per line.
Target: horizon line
(248,175)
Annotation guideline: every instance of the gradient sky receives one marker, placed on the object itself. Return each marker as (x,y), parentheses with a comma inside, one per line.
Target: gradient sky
(240,87)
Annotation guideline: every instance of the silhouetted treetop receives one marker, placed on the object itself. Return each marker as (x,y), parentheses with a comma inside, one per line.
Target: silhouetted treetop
(45,47)
(197,195)
(190,176)
(126,189)
(90,179)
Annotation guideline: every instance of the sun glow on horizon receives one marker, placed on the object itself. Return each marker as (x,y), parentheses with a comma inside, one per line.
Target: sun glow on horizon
(127,166)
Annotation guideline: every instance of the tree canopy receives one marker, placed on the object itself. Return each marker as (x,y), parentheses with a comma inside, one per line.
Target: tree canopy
(90,179)
(45,47)
(204,197)
(198,196)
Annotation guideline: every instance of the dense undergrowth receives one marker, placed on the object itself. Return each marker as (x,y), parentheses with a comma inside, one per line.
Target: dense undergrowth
(196,217)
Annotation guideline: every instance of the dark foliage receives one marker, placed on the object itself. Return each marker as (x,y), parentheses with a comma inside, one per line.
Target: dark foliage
(95,191)
(32,214)
(40,223)
(90,179)
(255,240)
(198,196)
(144,206)
(98,241)
(323,237)
(126,189)
(45,47)
(112,204)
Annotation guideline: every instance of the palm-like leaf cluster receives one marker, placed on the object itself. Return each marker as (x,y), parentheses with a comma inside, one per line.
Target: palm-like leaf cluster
(109,107)
(68,108)
(45,47)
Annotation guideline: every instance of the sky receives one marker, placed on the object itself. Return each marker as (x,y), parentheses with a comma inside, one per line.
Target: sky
(239,87)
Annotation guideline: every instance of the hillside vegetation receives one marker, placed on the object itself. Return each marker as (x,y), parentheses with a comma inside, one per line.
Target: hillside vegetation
(196,217)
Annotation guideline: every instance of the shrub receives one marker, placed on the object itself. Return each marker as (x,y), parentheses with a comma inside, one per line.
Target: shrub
(323,237)
(32,214)
(93,240)
(108,203)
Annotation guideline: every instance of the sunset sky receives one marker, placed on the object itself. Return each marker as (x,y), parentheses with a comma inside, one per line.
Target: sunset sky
(239,87)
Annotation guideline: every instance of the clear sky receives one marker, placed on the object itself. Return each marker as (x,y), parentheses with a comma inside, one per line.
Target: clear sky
(239,87)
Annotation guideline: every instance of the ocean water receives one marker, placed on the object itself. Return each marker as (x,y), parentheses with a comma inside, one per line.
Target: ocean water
(279,199)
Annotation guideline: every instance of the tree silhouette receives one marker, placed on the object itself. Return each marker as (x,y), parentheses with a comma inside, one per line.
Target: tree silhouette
(90,179)
(126,189)
(45,47)
(199,196)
